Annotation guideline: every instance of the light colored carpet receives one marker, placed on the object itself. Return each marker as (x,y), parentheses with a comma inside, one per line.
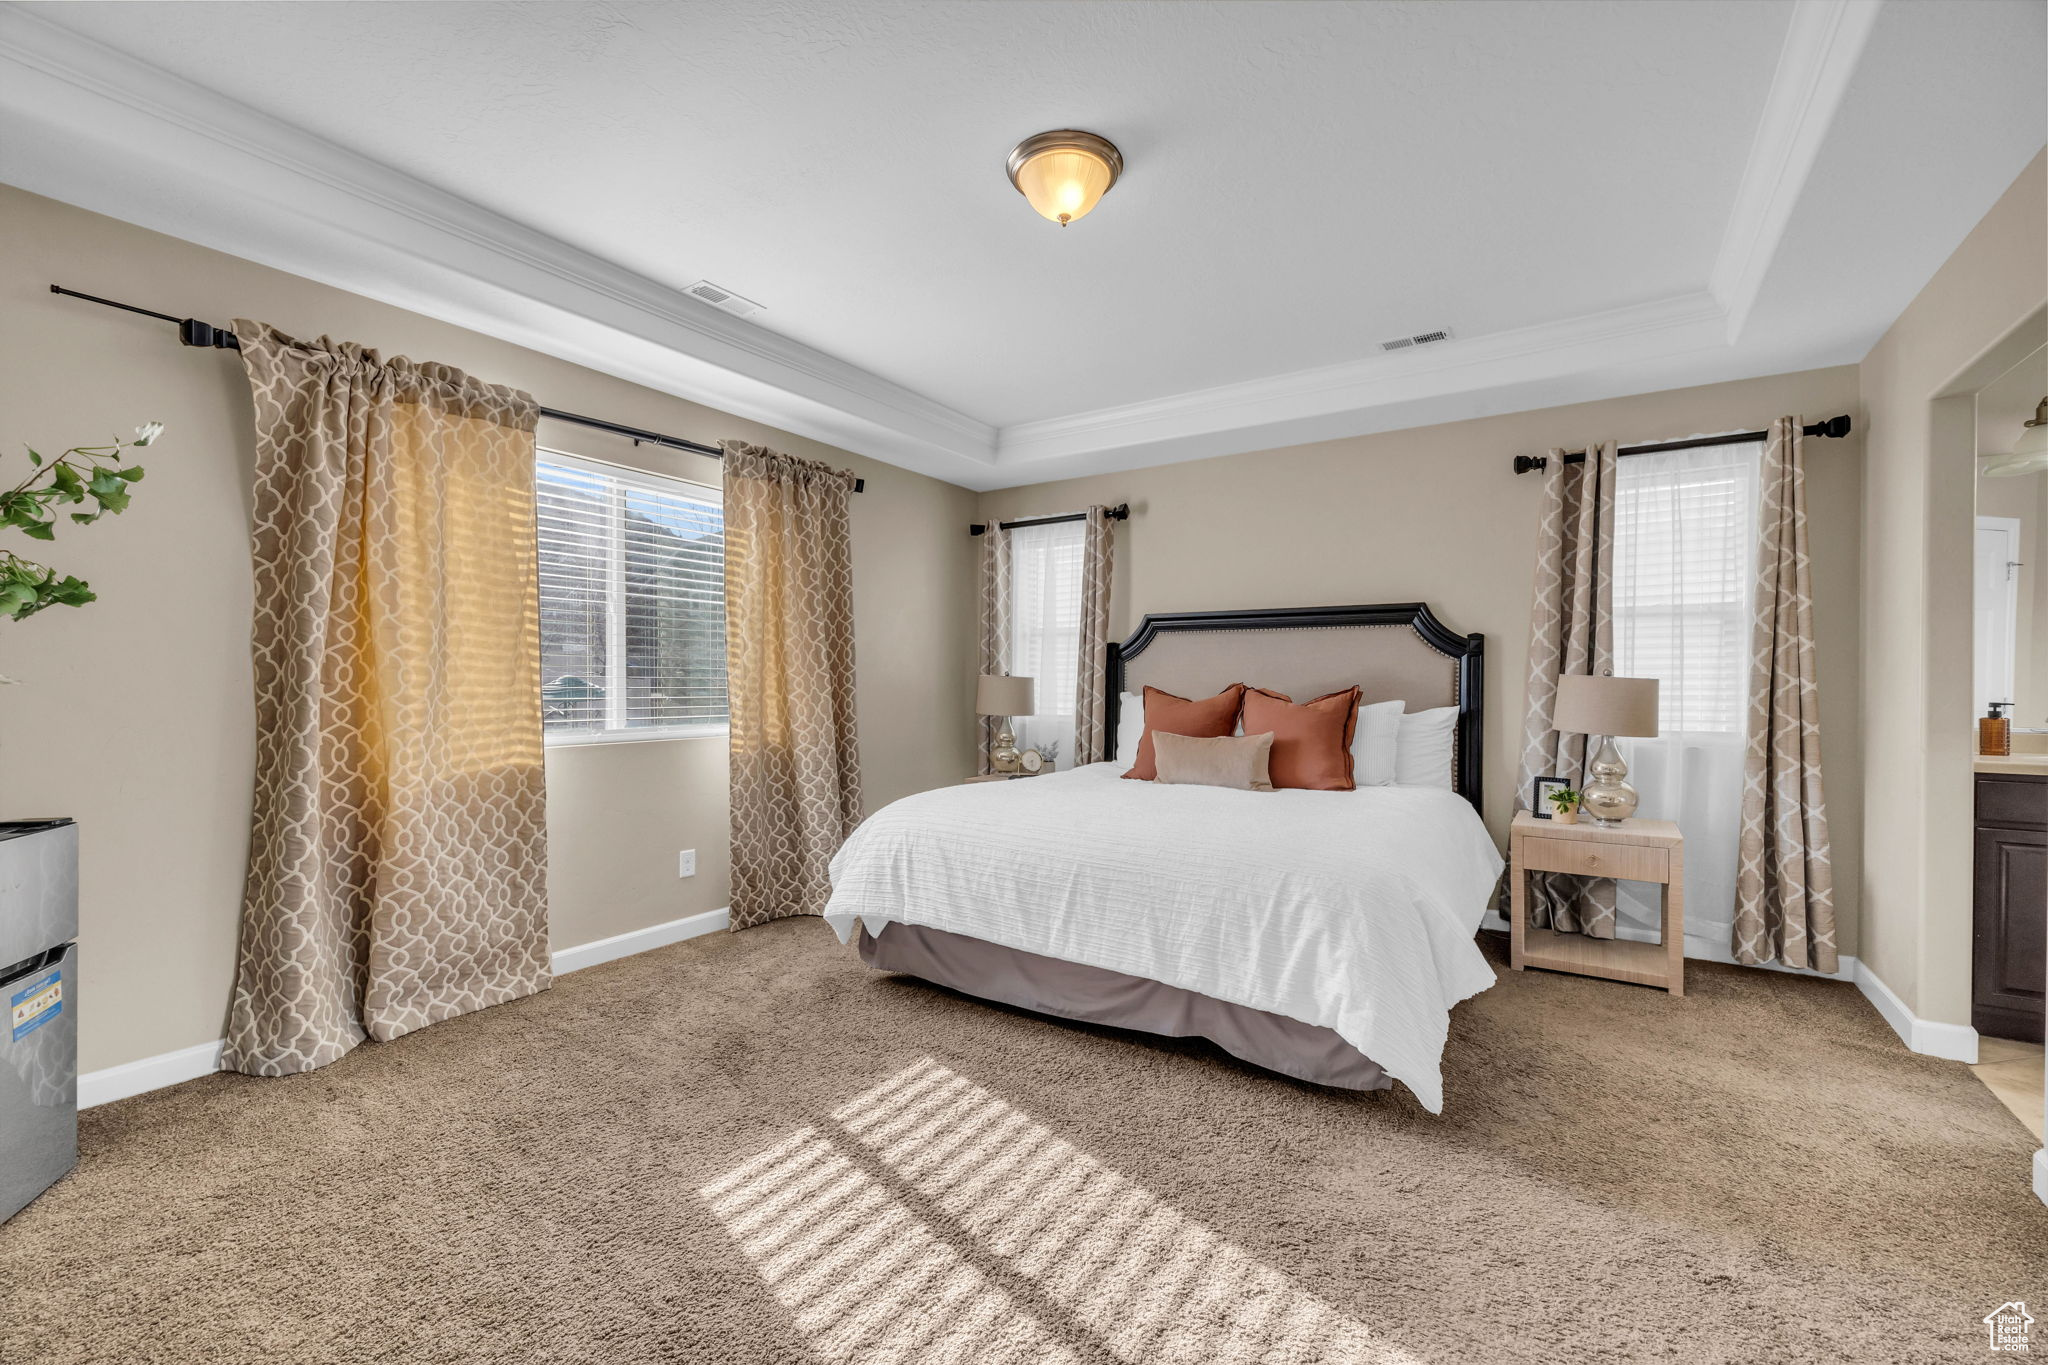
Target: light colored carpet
(750,1149)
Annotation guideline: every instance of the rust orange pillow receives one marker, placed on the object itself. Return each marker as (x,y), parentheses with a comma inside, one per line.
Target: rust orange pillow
(1311,741)
(1208,718)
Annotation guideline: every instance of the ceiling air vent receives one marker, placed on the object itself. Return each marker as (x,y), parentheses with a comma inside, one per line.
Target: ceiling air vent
(1419,339)
(704,291)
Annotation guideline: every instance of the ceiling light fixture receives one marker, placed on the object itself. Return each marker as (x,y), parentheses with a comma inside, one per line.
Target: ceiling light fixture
(2029,454)
(1064,174)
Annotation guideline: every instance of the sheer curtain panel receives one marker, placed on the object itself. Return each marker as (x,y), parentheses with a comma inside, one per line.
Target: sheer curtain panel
(1684,567)
(1046,564)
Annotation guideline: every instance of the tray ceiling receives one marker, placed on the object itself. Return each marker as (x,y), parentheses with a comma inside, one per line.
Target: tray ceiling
(1596,198)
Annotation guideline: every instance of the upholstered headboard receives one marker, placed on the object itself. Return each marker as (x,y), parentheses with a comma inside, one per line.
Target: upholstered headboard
(1390,650)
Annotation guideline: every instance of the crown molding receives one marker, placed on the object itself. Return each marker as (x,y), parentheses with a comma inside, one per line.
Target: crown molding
(96,128)
(1333,400)
(1823,44)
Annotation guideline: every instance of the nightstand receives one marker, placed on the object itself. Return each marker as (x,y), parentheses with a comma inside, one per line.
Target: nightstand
(1636,851)
(999,777)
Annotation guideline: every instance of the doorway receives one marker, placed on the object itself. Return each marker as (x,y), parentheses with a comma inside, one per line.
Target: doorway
(1997,610)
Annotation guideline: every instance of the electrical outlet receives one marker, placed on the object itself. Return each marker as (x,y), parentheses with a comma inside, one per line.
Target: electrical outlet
(686,863)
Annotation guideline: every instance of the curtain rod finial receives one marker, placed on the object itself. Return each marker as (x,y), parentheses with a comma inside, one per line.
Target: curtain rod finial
(193,332)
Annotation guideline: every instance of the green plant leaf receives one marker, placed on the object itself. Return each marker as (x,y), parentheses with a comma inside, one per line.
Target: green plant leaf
(110,489)
(82,473)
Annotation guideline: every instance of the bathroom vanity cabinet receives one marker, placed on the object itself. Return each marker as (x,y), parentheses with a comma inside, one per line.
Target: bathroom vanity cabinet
(2011,913)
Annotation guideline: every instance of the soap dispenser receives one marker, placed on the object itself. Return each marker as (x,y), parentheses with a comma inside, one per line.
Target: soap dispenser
(1994,732)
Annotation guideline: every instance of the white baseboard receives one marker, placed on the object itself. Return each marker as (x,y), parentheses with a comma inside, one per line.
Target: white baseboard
(639,941)
(203,1059)
(151,1073)
(2041,1175)
(1956,1042)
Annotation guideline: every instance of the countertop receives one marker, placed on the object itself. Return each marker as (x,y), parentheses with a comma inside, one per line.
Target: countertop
(2014,765)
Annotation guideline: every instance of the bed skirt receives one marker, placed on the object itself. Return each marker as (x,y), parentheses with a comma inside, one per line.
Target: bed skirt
(1070,990)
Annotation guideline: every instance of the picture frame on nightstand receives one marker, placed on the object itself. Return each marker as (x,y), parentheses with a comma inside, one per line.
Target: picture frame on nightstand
(1539,796)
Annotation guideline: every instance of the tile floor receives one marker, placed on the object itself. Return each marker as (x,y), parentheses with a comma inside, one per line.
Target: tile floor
(2013,1072)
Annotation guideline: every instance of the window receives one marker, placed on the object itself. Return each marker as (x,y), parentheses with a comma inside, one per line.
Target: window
(1685,527)
(1045,642)
(632,603)
(1684,565)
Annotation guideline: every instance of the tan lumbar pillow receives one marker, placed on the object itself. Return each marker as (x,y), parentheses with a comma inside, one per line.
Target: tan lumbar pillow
(1236,761)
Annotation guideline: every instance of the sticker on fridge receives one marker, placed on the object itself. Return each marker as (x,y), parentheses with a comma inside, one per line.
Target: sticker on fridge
(37,1003)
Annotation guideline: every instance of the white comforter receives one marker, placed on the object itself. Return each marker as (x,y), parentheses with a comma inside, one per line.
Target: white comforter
(1353,910)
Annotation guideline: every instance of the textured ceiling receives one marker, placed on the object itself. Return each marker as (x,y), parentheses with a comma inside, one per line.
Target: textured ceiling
(1597,197)
(1304,181)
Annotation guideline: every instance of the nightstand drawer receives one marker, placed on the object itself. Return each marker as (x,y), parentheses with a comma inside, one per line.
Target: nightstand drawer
(1589,858)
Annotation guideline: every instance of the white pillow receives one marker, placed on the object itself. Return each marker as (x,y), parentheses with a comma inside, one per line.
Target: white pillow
(1375,743)
(1130,727)
(1429,744)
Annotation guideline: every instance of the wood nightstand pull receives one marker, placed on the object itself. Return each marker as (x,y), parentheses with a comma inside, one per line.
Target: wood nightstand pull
(1585,858)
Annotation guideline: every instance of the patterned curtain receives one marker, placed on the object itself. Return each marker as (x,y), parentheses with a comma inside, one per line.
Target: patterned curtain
(789,664)
(1784,885)
(996,620)
(1571,630)
(398,860)
(1090,699)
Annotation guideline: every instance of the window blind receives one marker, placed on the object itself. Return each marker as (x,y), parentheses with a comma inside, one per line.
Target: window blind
(632,599)
(1684,571)
(1045,639)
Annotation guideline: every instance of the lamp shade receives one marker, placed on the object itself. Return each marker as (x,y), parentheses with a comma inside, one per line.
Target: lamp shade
(1588,705)
(1002,695)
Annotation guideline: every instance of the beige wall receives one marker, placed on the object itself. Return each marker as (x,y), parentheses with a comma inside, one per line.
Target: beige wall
(1975,318)
(1435,514)
(134,714)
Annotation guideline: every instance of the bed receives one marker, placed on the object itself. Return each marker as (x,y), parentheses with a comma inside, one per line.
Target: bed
(1322,935)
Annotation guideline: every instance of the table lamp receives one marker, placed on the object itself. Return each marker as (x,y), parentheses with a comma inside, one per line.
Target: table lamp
(1606,707)
(1004,696)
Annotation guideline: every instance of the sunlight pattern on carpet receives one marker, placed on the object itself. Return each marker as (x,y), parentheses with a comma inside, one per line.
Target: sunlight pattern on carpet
(930,1220)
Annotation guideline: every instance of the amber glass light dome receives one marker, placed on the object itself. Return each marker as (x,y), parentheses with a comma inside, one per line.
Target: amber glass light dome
(1064,174)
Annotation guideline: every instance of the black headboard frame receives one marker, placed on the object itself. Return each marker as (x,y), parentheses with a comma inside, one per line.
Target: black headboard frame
(1468,652)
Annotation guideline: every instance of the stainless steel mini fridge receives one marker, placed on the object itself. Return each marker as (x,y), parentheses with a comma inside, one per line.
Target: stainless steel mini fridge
(38,1008)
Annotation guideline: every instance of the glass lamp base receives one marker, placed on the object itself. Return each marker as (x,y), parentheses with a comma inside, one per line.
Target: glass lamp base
(1607,797)
(1004,757)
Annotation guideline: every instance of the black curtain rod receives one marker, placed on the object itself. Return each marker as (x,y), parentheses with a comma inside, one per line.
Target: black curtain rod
(193,332)
(1120,512)
(1834,426)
